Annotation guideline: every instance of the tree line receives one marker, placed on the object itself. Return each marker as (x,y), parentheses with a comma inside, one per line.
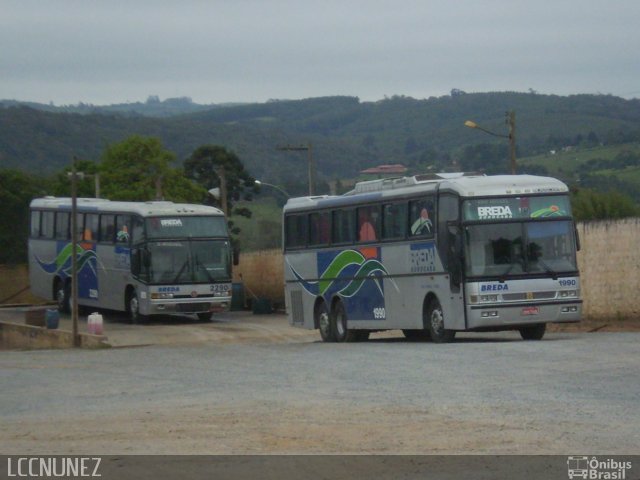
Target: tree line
(136,169)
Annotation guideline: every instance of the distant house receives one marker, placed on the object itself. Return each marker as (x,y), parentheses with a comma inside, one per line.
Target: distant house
(380,170)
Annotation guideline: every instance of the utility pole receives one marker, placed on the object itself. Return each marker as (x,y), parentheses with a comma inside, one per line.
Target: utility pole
(511,122)
(74,255)
(312,165)
(223,189)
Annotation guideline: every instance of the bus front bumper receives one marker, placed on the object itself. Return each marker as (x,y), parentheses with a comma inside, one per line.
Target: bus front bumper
(184,306)
(501,315)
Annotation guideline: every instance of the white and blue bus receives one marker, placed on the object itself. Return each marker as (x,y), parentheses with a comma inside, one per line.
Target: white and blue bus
(144,258)
(433,255)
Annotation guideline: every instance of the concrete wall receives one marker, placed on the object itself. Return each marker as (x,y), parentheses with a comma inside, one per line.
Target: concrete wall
(610,267)
(18,336)
(262,274)
(609,263)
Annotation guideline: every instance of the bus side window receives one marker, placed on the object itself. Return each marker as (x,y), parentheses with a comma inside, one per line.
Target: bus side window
(62,225)
(137,232)
(47,224)
(319,228)
(91,227)
(343,230)
(394,220)
(295,231)
(107,228)
(35,223)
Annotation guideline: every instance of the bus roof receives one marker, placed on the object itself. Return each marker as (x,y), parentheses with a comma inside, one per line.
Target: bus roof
(464,184)
(145,209)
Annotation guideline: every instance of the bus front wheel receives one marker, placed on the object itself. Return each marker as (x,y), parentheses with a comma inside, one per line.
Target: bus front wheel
(435,321)
(533,333)
(133,308)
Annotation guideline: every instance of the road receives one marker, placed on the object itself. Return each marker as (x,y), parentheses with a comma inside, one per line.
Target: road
(288,393)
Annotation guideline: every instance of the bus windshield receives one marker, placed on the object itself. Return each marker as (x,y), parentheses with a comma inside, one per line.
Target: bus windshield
(186,226)
(520,248)
(188,261)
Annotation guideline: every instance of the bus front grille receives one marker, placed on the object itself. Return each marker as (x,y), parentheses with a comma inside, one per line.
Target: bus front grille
(192,307)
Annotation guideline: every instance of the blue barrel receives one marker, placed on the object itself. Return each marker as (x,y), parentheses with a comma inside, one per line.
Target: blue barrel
(237,297)
(52,319)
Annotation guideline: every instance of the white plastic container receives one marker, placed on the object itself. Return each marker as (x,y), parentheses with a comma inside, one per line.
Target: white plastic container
(94,324)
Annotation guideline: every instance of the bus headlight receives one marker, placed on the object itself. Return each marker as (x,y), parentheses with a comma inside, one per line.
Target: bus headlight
(483,299)
(568,293)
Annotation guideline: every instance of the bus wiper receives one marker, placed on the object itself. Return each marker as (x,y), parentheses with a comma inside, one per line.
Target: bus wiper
(548,269)
(184,265)
(199,264)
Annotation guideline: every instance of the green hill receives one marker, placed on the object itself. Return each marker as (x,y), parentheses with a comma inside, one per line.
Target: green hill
(347,135)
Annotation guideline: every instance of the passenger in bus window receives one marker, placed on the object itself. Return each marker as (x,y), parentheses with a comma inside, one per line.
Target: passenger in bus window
(123,235)
(367,232)
(422,225)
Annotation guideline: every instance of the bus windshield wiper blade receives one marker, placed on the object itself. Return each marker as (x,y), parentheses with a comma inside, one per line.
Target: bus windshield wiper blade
(184,265)
(548,269)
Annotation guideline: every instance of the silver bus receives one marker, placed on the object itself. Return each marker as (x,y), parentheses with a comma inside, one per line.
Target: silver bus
(433,255)
(144,258)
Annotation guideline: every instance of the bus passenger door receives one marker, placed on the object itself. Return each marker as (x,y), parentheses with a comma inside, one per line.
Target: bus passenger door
(450,251)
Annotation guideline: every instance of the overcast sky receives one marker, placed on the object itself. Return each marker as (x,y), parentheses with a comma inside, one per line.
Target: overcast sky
(217,51)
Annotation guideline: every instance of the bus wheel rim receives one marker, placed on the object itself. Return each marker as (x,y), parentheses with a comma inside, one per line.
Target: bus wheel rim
(437,321)
(324,322)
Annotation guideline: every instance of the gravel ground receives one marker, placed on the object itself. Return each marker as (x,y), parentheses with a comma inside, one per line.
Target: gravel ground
(487,393)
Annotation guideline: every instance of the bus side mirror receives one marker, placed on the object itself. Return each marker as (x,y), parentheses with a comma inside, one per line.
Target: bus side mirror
(236,256)
(577,237)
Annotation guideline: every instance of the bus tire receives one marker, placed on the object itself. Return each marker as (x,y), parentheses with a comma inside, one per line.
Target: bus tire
(535,332)
(62,292)
(205,316)
(435,322)
(322,319)
(133,308)
(339,325)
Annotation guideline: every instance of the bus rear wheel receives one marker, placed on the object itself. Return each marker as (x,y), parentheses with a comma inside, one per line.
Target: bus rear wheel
(323,321)
(339,326)
(435,321)
(535,332)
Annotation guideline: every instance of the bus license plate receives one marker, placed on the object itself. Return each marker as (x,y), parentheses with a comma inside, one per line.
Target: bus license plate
(530,311)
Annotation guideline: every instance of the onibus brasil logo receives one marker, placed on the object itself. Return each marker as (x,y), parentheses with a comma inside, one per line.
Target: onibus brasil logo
(597,469)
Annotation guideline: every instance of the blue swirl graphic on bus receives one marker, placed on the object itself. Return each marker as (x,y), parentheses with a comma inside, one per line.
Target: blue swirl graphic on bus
(86,258)
(345,275)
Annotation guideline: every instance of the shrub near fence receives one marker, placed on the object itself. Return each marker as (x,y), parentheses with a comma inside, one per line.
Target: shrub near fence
(609,266)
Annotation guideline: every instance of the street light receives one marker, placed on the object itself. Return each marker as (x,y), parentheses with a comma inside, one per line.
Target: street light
(281,190)
(312,166)
(511,122)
